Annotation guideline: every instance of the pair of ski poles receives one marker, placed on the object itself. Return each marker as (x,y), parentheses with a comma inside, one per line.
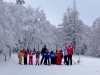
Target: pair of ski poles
(78,61)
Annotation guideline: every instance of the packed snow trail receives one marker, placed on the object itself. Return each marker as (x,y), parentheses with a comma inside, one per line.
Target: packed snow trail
(88,66)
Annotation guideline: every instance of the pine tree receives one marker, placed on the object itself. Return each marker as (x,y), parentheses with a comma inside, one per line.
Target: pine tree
(72,28)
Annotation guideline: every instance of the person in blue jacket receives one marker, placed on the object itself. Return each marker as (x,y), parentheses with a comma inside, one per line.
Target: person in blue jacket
(53,56)
(47,57)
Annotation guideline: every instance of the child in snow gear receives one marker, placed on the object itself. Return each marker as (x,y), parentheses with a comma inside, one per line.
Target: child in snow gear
(65,56)
(43,55)
(20,57)
(58,59)
(52,57)
(70,52)
(25,57)
(47,53)
(37,57)
(30,58)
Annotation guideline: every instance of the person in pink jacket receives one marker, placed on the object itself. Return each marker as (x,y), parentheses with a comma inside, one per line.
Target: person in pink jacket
(37,57)
(70,53)
(30,58)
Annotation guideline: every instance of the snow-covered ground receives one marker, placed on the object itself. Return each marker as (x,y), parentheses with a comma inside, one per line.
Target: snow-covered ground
(87,66)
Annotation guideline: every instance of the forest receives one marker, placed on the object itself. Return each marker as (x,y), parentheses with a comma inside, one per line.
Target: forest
(24,27)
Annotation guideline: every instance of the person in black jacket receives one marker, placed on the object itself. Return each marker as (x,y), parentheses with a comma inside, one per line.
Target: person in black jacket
(44,49)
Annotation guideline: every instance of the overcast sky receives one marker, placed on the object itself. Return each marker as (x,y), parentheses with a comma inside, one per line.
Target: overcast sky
(89,9)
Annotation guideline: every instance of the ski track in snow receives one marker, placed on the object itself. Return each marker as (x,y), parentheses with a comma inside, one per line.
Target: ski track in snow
(87,66)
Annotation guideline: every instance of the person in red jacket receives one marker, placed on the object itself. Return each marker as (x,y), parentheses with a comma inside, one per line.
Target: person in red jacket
(25,57)
(70,53)
(58,58)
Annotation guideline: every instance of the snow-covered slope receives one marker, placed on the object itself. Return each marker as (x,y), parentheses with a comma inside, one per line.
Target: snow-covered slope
(88,66)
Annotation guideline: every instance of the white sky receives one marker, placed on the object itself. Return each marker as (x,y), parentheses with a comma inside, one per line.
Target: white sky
(89,9)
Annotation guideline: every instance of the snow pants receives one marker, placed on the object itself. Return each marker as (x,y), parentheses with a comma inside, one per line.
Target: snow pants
(30,61)
(52,60)
(58,61)
(25,60)
(69,59)
(43,58)
(20,60)
(66,59)
(47,61)
(37,61)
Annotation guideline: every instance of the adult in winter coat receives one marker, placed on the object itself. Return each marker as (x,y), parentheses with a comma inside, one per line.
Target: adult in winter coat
(37,57)
(52,55)
(31,58)
(43,54)
(47,56)
(58,58)
(70,53)
(65,57)
(25,57)
(20,57)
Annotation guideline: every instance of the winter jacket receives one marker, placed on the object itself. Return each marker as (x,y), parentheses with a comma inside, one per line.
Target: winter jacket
(58,54)
(43,51)
(30,55)
(52,55)
(58,58)
(37,54)
(20,54)
(65,52)
(69,50)
(25,54)
(47,54)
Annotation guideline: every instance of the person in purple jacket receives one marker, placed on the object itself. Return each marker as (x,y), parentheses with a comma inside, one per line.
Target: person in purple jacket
(37,57)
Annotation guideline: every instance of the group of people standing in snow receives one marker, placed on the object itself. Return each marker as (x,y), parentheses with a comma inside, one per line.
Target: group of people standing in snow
(56,57)
(25,53)
(48,58)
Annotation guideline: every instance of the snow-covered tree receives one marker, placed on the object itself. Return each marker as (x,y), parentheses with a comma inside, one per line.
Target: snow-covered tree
(73,28)
(24,27)
(93,42)
(20,2)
